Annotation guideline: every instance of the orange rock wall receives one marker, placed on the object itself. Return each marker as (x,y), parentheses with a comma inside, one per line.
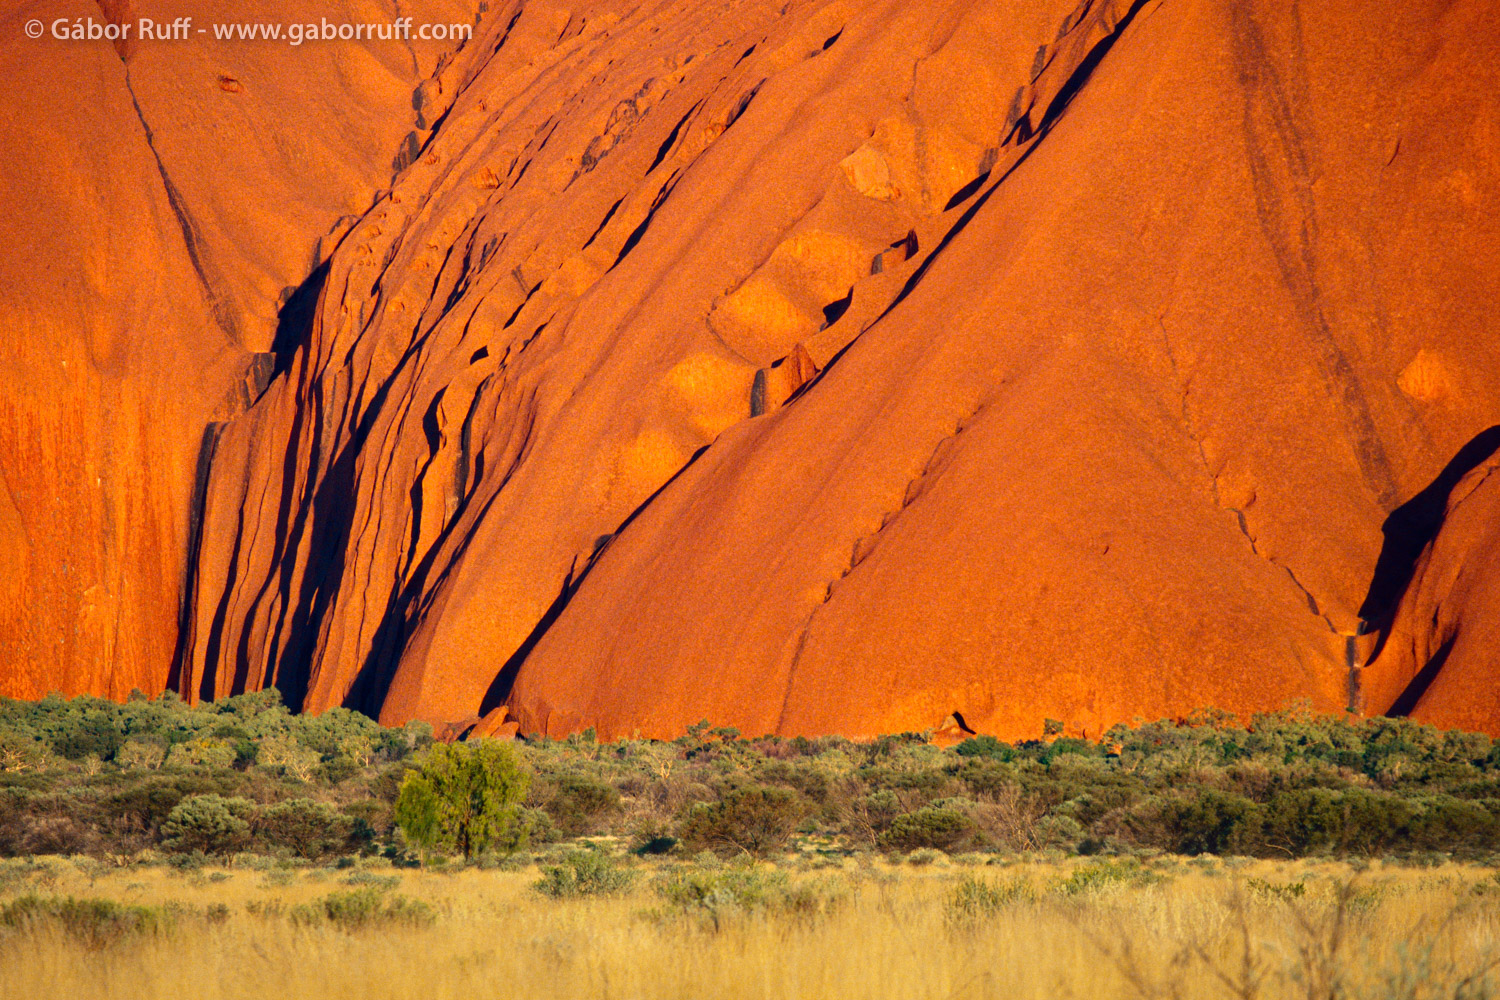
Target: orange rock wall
(818,366)
(155,201)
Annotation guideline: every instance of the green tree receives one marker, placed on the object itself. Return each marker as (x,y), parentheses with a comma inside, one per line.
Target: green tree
(208,823)
(465,797)
(19,752)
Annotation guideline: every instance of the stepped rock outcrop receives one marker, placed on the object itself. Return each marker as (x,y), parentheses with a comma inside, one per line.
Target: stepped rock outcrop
(811,366)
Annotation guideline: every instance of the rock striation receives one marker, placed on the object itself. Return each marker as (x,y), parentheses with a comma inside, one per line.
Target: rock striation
(809,367)
(158,201)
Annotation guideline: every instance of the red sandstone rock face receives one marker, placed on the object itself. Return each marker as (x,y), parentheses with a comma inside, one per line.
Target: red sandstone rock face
(1437,661)
(153,211)
(850,367)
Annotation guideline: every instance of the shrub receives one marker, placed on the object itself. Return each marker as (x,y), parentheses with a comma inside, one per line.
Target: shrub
(338,770)
(1107,875)
(720,892)
(579,803)
(360,909)
(924,856)
(144,754)
(717,887)
(145,806)
(286,755)
(380,882)
(932,827)
(208,823)
(985,746)
(653,842)
(94,923)
(973,897)
(87,735)
(309,829)
(1211,822)
(1058,830)
(1323,819)
(210,751)
(1266,889)
(19,752)
(754,821)
(466,797)
(584,873)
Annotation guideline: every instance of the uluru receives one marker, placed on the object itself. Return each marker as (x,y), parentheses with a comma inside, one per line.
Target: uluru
(810,367)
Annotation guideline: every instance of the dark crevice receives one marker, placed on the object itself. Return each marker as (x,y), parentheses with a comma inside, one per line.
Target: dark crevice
(505,680)
(404,605)
(1312,602)
(958,717)
(179,677)
(505,36)
(742,105)
(1085,69)
(833,40)
(966,192)
(640,231)
(1412,695)
(499,689)
(671,140)
(1411,528)
(834,311)
(516,315)
(294,322)
(607,216)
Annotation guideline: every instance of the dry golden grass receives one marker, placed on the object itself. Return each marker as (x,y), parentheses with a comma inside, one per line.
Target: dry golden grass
(1206,929)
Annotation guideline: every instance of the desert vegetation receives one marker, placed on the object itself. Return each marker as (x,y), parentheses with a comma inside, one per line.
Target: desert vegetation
(90,777)
(809,924)
(1292,855)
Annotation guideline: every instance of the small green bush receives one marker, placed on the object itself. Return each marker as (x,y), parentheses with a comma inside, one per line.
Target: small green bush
(95,923)
(1104,876)
(210,752)
(723,892)
(361,909)
(985,746)
(720,886)
(87,735)
(580,803)
(1284,891)
(208,823)
(584,873)
(931,827)
(973,897)
(754,821)
(309,829)
(1209,822)
(380,882)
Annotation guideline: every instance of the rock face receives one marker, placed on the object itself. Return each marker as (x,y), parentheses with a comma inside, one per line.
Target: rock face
(1440,591)
(812,366)
(157,199)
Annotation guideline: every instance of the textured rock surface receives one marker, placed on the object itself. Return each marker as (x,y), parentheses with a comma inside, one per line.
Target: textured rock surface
(850,366)
(1438,656)
(156,201)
